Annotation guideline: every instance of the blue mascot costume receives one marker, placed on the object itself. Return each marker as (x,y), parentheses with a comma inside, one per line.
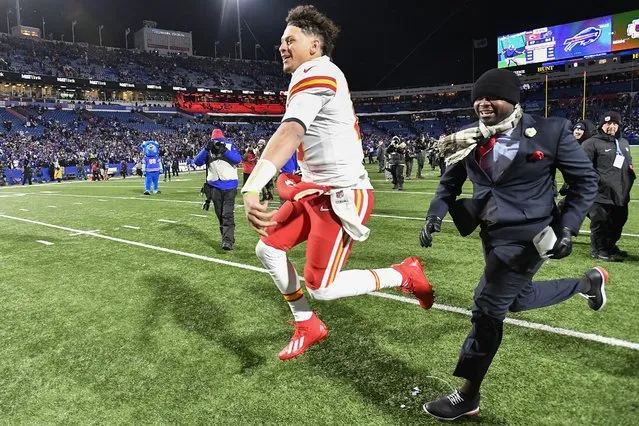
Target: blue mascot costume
(151,166)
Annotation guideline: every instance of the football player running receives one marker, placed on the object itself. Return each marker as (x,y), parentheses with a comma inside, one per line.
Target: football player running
(330,204)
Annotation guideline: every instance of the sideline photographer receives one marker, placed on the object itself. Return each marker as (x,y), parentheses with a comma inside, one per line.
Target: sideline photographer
(397,160)
(221,159)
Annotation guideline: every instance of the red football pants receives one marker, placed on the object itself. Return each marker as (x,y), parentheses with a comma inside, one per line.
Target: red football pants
(314,221)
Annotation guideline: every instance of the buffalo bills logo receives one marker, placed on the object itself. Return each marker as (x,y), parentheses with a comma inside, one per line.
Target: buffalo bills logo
(582,38)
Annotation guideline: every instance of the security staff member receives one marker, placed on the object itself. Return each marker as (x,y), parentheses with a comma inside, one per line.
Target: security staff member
(610,155)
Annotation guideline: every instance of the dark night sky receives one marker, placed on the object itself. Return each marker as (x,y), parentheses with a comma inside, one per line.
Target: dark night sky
(373,41)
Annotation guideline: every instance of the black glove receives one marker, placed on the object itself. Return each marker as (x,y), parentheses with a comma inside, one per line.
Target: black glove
(433,224)
(563,246)
(564,189)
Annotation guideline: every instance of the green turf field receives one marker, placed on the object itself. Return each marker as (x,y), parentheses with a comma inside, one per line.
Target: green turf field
(125,319)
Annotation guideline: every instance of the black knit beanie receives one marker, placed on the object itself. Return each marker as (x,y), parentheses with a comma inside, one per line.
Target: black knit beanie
(498,84)
(609,117)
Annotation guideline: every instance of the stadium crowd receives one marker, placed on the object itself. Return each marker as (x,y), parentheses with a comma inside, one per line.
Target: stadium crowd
(81,60)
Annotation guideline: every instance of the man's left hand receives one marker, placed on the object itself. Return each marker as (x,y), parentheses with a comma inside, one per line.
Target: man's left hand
(257,213)
(563,246)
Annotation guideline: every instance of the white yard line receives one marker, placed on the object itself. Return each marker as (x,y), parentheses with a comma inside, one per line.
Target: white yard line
(46,243)
(198,215)
(130,227)
(24,210)
(167,220)
(140,198)
(611,341)
(526,324)
(94,231)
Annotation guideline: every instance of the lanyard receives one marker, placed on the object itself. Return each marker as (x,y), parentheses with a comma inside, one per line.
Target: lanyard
(619,151)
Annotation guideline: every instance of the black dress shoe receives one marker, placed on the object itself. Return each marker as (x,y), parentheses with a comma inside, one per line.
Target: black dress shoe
(616,251)
(598,277)
(607,257)
(453,406)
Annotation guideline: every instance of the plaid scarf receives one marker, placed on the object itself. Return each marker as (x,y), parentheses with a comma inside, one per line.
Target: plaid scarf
(457,146)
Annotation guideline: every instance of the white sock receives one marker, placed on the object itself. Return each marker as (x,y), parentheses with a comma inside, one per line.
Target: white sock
(283,273)
(357,282)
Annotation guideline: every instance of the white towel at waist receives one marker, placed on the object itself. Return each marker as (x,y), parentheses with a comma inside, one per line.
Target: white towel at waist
(343,203)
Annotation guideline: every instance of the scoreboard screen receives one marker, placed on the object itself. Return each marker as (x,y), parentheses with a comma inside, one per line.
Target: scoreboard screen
(625,31)
(584,38)
(528,47)
(587,38)
(540,45)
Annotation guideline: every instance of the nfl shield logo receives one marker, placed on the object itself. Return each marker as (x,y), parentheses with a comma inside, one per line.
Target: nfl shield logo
(340,194)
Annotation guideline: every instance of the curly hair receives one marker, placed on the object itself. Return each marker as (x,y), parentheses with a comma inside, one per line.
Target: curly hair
(312,21)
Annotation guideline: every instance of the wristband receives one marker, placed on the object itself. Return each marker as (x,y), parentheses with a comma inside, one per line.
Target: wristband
(262,173)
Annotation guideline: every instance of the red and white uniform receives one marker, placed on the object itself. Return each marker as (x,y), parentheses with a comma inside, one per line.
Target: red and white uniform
(331,154)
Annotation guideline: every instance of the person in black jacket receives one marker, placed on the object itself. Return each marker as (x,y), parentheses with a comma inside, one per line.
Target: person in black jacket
(396,158)
(610,155)
(27,173)
(582,130)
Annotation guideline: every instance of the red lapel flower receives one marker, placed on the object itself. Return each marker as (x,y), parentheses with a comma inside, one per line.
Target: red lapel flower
(536,156)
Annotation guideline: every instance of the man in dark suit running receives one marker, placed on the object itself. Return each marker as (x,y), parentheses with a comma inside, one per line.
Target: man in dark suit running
(510,157)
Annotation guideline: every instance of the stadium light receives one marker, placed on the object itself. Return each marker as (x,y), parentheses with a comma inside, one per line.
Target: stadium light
(126,38)
(73,24)
(215,48)
(100,27)
(9,12)
(239,28)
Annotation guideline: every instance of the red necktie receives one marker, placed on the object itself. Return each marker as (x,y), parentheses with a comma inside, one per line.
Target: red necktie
(485,149)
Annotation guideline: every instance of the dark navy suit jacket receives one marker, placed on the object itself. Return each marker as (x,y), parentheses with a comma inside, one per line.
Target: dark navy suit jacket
(524,193)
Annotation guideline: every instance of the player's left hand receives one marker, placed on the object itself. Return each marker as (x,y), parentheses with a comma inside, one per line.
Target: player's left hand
(257,213)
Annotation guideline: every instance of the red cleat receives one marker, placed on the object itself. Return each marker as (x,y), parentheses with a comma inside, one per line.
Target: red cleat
(415,282)
(307,333)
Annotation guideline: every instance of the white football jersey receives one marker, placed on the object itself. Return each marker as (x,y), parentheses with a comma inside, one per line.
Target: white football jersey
(331,153)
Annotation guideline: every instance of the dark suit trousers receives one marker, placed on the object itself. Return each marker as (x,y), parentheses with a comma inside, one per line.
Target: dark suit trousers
(606,226)
(506,285)
(224,202)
